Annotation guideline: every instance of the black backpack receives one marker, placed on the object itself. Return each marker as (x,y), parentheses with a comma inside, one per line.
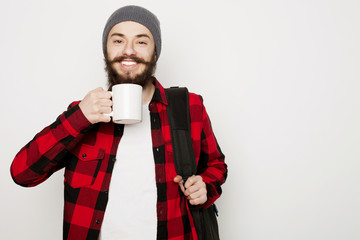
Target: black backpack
(184,158)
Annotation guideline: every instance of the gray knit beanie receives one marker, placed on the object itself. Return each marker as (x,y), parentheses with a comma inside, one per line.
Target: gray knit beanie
(135,14)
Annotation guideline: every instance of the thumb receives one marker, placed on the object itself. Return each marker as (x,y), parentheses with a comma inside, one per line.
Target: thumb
(177,179)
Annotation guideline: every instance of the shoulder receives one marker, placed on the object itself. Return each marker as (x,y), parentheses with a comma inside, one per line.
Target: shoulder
(196,107)
(195,99)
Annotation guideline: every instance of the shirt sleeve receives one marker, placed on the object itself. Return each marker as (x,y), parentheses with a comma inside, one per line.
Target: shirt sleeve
(212,166)
(44,154)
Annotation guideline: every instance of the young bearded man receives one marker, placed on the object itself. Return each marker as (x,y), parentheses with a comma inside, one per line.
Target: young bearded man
(120,180)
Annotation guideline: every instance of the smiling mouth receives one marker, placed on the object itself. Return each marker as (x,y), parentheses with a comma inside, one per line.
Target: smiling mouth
(128,63)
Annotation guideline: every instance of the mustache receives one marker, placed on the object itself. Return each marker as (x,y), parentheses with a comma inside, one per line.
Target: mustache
(134,58)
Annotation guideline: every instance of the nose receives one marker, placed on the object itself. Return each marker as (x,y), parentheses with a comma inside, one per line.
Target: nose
(129,49)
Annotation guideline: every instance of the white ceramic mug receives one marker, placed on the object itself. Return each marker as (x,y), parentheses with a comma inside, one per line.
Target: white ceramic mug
(127,103)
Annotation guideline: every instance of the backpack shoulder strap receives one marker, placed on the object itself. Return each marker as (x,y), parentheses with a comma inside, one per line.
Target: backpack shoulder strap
(184,157)
(179,120)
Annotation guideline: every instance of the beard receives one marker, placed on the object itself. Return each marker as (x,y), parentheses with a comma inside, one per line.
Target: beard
(141,79)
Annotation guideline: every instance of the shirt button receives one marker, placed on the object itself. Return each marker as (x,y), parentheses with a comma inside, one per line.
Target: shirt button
(114,159)
(97,221)
(106,191)
(157,149)
(84,155)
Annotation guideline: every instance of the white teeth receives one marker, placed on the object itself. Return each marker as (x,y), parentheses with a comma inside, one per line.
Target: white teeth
(128,63)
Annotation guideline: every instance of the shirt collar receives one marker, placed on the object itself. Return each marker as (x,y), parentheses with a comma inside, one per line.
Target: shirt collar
(159,94)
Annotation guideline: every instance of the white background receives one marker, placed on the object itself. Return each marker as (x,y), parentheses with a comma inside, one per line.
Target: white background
(280,81)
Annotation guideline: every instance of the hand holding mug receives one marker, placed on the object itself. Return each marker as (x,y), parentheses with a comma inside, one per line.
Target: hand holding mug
(96,106)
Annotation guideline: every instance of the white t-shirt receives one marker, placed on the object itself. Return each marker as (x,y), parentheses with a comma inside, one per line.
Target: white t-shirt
(131,209)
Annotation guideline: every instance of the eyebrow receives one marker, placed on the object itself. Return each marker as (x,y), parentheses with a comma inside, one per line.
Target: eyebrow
(138,36)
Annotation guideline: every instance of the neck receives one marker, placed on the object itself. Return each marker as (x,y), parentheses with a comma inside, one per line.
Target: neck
(148,92)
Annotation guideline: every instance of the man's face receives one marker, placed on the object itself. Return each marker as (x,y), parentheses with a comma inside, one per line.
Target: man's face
(130,51)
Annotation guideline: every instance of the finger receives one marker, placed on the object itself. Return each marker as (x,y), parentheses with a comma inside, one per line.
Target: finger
(104,118)
(201,192)
(105,94)
(99,89)
(105,110)
(189,182)
(96,91)
(178,179)
(191,190)
(101,95)
(182,187)
(192,180)
(105,102)
(198,186)
(198,201)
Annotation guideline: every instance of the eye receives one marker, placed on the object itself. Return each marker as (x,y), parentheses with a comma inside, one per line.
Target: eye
(117,41)
(142,41)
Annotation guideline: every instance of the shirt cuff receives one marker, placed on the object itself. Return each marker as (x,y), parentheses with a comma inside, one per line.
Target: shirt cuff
(74,121)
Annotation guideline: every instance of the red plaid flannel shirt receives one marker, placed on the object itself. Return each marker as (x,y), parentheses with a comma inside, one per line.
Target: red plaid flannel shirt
(88,153)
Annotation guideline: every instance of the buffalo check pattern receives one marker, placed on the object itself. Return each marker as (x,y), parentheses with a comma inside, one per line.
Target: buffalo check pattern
(88,153)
